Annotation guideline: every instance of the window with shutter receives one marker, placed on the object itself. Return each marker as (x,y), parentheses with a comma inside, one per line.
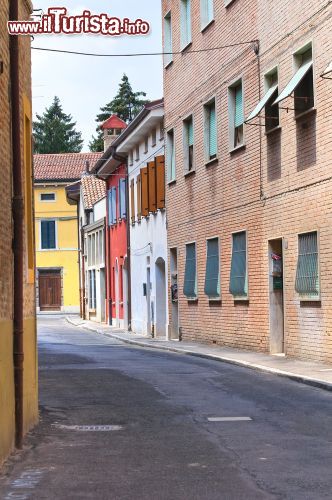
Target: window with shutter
(145,192)
(132,201)
(160,181)
(238,280)
(152,186)
(185,23)
(207,13)
(154,137)
(109,207)
(307,274)
(190,278)
(139,197)
(188,128)
(212,282)
(114,206)
(168,44)
(170,152)
(122,198)
(236,117)
(48,235)
(210,131)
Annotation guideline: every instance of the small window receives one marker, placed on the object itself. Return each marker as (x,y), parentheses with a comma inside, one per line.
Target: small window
(236,118)
(137,153)
(146,145)
(207,14)
(212,281)
(307,274)
(210,134)
(48,235)
(131,158)
(47,197)
(190,277)
(122,199)
(304,91)
(170,152)
(112,214)
(188,144)
(168,43)
(161,130)
(154,137)
(239,279)
(185,23)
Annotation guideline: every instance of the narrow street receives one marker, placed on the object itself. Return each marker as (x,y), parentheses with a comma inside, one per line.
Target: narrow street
(161,443)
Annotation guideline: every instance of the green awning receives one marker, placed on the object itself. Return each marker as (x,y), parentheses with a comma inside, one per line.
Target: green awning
(297,78)
(262,103)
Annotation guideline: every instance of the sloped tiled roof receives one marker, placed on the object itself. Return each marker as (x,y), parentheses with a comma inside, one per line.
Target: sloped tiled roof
(113,122)
(66,167)
(93,190)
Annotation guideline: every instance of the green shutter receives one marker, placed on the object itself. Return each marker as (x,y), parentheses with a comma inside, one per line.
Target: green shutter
(206,12)
(238,106)
(185,22)
(210,13)
(212,269)
(212,131)
(307,277)
(114,214)
(190,129)
(170,156)
(238,278)
(189,288)
(47,228)
(168,38)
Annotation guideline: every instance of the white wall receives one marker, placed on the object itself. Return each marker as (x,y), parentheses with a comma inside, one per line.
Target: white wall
(99,210)
(148,242)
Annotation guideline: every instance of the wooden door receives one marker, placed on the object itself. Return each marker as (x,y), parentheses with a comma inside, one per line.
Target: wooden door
(50,291)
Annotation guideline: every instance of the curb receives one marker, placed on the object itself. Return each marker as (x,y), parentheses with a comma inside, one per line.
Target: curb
(302,379)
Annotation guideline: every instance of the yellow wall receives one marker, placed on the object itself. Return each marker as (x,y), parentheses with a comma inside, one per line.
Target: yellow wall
(7,399)
(66,254)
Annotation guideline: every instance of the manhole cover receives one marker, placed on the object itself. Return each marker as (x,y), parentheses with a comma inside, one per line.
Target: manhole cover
(89,428)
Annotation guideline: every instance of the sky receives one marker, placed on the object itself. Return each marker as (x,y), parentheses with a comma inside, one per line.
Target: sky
(84,84)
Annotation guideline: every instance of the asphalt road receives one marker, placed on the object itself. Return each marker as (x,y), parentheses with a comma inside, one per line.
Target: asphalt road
(161,444)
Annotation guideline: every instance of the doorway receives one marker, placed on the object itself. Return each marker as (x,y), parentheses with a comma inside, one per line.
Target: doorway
(276,296)
(102,295)
(148,301)
(117,295)
(49,287)
(160,298)
(174,327)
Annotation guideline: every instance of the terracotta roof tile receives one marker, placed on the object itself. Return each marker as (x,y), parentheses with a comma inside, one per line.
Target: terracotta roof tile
(68,166)
(93,190)
(113,122)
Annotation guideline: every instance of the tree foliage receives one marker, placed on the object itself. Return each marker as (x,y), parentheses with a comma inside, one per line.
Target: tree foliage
(126,105)
(54,131)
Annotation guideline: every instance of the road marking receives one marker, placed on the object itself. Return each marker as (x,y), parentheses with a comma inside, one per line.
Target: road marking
(229,419)
(89,428)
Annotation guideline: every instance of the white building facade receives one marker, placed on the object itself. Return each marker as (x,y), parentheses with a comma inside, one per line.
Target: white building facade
(142,143)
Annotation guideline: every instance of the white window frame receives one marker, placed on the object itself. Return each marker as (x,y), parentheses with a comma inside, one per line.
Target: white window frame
(296,66)
(206,111)
(243,298)
(191,299)
(186,144)
(47,201)
(218,298)
(205,23)
(169,178)
(303,297)
(168,24)
(185,43)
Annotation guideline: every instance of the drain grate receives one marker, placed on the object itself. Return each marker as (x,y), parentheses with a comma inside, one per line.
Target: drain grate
(89,428)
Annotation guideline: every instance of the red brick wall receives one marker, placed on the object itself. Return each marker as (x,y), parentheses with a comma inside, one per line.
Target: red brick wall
(249,189)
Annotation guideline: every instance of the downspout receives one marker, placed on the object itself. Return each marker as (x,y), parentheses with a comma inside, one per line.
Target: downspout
(124,160)
(18,227)
(79,253)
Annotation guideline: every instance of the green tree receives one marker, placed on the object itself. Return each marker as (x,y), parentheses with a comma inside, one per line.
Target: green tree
(126,105)
(54,131)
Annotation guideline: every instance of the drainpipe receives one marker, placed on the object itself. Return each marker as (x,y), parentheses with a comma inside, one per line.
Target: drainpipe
(18,226)
(124,160)
(80,259)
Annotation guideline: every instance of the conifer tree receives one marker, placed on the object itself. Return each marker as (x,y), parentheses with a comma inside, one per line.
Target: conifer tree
(126,105)
(54,131)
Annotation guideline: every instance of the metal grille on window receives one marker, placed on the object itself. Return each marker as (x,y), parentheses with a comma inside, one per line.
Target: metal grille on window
(238,278)
(189,288)
(307,276)
(212,269)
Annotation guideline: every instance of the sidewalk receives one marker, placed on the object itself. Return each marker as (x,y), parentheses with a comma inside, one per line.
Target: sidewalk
(306,372)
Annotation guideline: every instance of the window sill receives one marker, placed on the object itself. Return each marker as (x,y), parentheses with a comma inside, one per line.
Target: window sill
(228,3)
(209,163)
(186,47)
(237,148)
(214,301)
(308,112)
(171,182)
(207,25)
(192,300)
(241,300)
(168,65)
(308,299)
(189,172)
(273,130)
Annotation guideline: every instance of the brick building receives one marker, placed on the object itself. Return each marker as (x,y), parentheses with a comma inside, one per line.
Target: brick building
(248,129)
(18,356)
